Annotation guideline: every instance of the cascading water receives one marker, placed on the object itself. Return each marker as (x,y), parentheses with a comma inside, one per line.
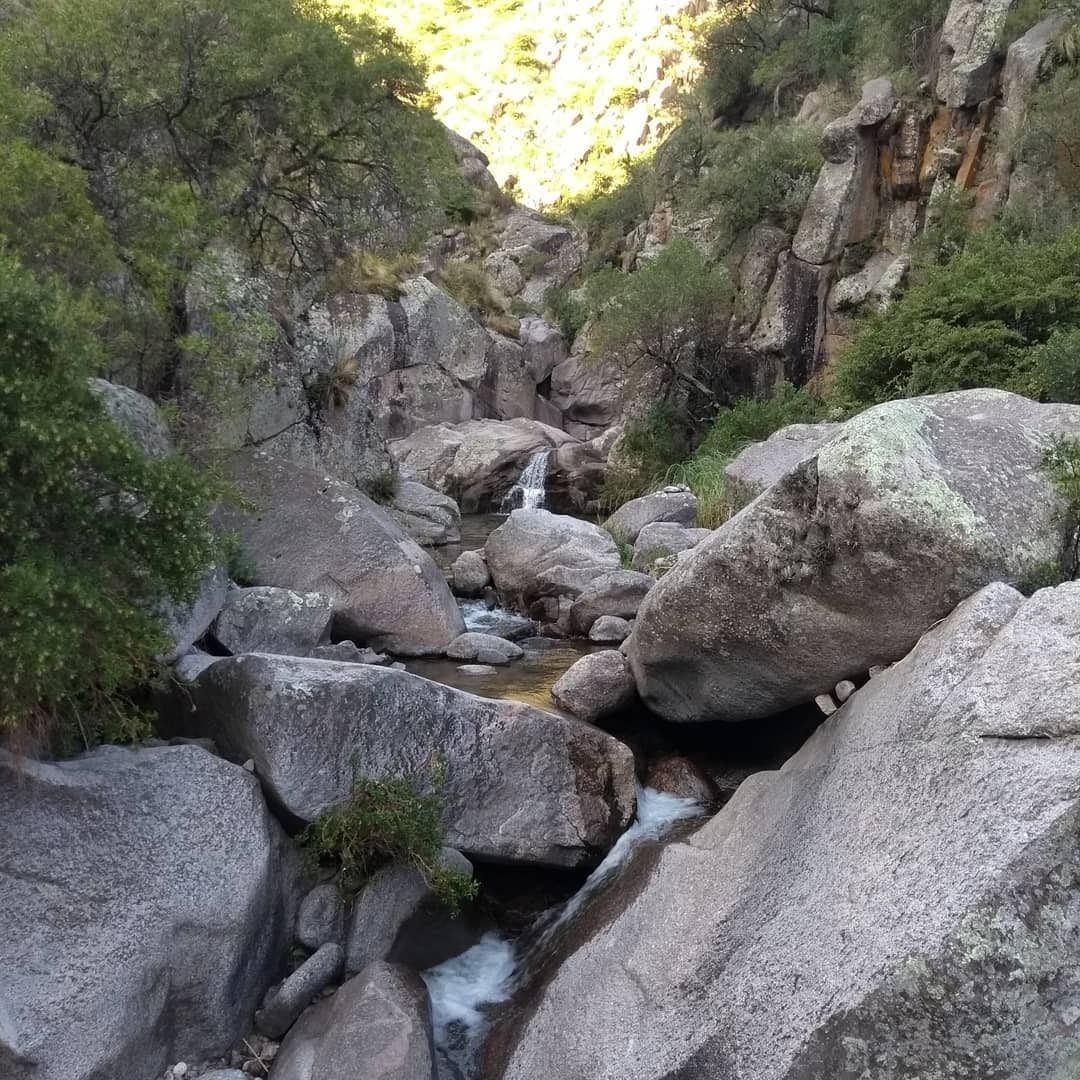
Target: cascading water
(463,988)
(528,493)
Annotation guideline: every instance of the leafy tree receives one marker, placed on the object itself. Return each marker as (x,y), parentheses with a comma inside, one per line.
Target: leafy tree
(1001,313)
(92,532)
(658,319)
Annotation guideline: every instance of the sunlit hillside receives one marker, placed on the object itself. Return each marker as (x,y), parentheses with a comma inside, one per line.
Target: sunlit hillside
(558,93)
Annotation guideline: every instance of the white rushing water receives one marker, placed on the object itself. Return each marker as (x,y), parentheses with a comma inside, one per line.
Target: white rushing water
(529,491)
(464,987)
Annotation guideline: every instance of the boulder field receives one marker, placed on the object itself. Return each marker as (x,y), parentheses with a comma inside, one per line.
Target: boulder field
(854,552)
(900,899)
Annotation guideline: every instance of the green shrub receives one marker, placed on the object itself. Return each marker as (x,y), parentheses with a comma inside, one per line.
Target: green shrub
(388,820)
(648,448)
(93,534)
(569,312)
(470,286)
(977,320)
(734,428)
(1062,461)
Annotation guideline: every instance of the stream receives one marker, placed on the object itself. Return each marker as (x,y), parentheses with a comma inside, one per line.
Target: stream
(465,988)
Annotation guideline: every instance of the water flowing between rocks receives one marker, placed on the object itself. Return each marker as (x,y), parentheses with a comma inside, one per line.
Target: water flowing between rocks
(530,491)
(466,987)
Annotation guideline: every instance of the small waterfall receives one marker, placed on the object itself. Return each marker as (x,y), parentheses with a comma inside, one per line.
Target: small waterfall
(528,493)
(488,974)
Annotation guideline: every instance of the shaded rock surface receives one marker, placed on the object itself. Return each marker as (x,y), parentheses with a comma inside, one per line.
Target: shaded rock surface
(853,554)
(135,414)
(321,917)
(609,630)
(664,538)
(146,903)
(376,1027)
(762,464)
(428,516)
(265,619)
(618,593)
(898,900)
(313,534)
(531,542)
(522,785)
(284,1004)
(470,574)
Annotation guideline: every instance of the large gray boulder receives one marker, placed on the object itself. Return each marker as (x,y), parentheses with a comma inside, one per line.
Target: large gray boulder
(762,464)
(598,686)
(146,899)
(521,785)
(617,593)
(265,619)
(483,649)
(899,900)
(376,1027)
(676,504)
(309,533)
(469,574)
(842,564)
(428,516)
(531,542)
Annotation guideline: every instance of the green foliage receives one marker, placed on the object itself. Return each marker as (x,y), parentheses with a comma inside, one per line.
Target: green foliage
(656,320)
(758,173)
(613,209)
(371,273)
(1062,461)
(471,287)
(138,132)
(388,820)
(733,429)
(1001,313)
(648,448)
(568,311)
(1050,139)
(93,534)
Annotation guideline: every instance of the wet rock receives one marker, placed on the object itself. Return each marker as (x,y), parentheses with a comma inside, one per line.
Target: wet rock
(284,1004)
(662,539)
(597,687)
(385,905)
(530,542)
(522,785)
(429,517)
(321,917)
(312,534)
(899,898)
(156,891)
(265,619)
(483,648)
(681,777)
(618,593)
(376,1027)
(470,574)
(852,555)
(609,630)
(677,505)
(756,271)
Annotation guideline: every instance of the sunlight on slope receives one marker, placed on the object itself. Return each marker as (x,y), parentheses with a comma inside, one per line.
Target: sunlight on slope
(558,93)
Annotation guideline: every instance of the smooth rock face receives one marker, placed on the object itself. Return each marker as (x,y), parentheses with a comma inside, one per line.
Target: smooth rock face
(899,900)
(146,900)
(321,917)
(763,464)
(285,1004)
(483,648)
(532,541)
(663,538)
(596,687)
(609,630)
(522,785)
(186,623)
(385,904)
(264,619)
(376,1027)
(470,574)
(679,507)
(844,562)
(312,534)
(617,593)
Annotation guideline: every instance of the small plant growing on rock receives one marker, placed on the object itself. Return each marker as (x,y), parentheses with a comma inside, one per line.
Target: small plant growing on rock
(1061,460)
(386,820)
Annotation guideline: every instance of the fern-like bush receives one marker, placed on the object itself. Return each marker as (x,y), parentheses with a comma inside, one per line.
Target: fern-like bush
(387,820)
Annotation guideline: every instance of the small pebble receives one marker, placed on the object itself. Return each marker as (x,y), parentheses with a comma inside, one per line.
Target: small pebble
(249,765)
(844,690)
(826,704)
(876,670)
(179,1069)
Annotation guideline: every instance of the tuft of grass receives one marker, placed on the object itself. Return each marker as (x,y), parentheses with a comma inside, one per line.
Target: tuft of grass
(388,820)
(332,389)
(719,498)
(1061,460)
(471,287)
(371,274)
(382,488)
